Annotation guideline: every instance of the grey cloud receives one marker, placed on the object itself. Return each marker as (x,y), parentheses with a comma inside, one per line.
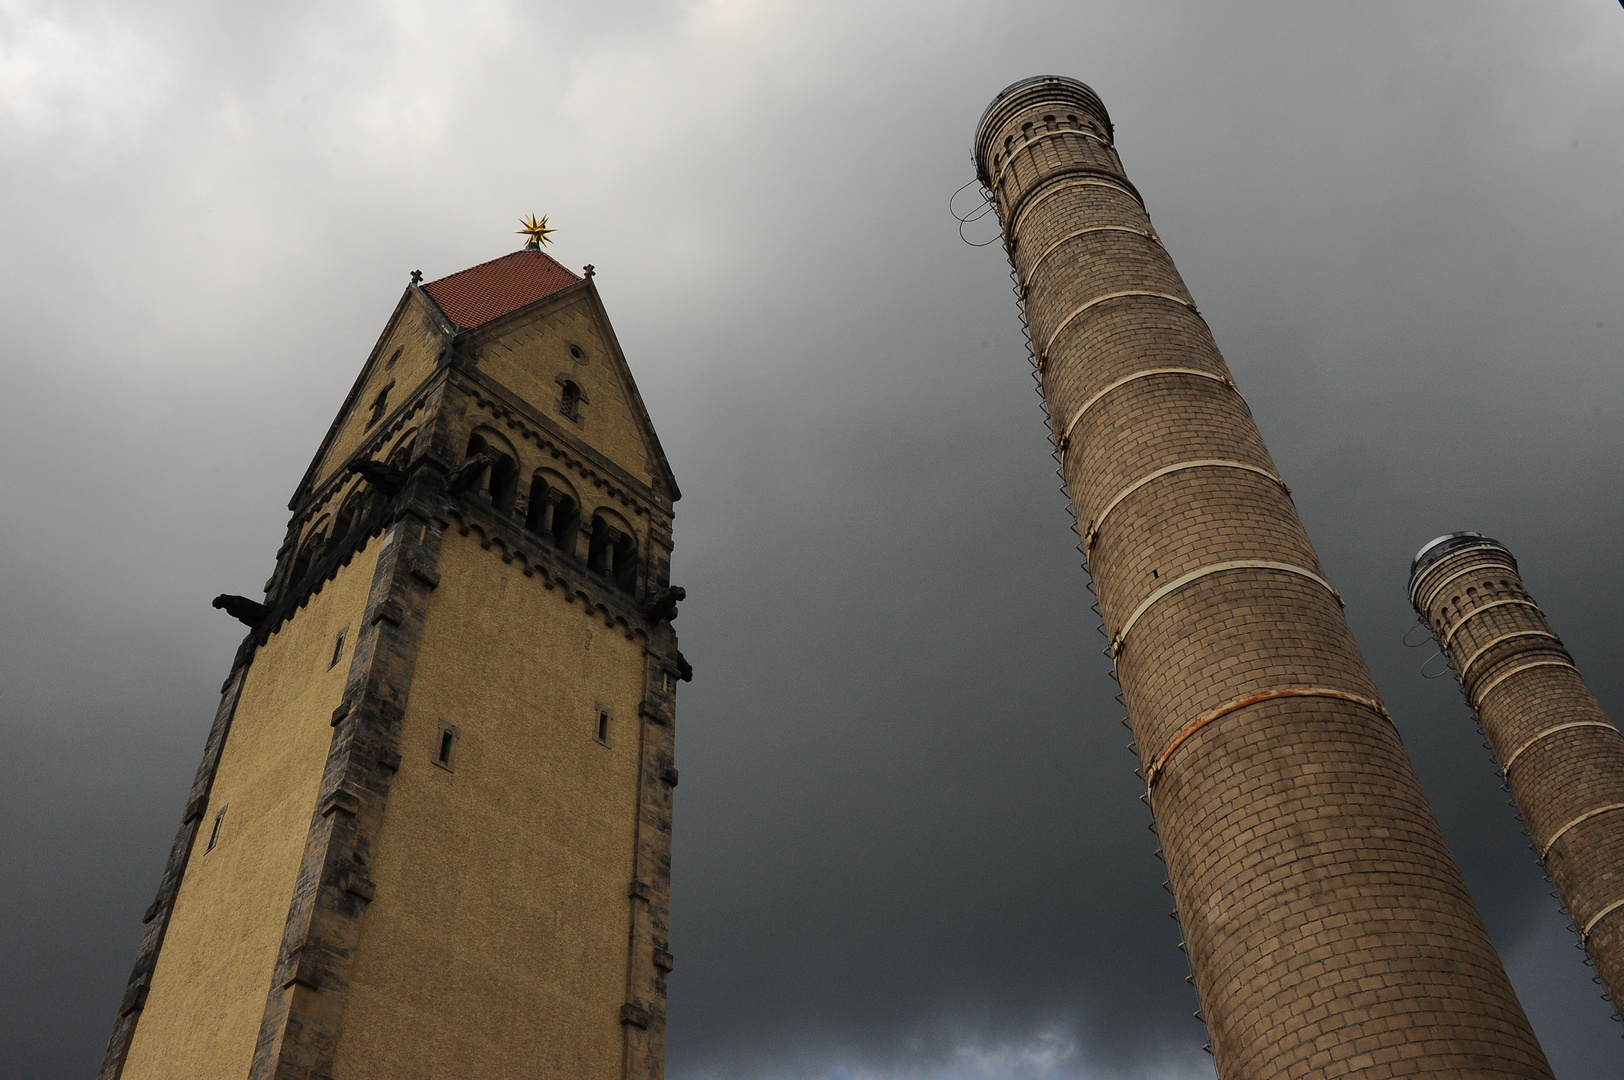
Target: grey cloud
(908,837)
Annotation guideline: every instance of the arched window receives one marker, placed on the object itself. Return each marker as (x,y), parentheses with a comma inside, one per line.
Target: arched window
(554,511)
(569,402)
(502,478)
(401,456)
(348,513)
(504,486)
(566,524)
(612,552)
(307,558)
(597,545)
(543,502)
(624,568)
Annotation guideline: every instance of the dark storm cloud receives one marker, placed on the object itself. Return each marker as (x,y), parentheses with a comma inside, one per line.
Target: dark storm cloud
(908,836)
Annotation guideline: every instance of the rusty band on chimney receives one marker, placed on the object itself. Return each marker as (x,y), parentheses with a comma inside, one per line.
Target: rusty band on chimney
(1093,531)
(1254,698)
(1065,436)
(1121,636)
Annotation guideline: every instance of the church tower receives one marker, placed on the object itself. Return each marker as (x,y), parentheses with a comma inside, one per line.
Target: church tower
(431,833)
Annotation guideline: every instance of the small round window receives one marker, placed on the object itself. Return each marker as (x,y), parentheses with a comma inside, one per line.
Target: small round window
(576,353)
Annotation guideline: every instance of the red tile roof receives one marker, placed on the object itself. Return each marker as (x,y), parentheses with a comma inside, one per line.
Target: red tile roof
(490,290)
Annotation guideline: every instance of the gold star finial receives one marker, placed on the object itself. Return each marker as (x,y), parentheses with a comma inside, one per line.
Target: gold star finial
(536,230)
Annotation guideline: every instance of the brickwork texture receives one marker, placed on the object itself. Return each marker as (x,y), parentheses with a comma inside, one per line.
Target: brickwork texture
(1328,927)
(1560,755)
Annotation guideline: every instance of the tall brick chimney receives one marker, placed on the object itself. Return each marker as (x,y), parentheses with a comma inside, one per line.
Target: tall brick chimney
(1328,927)
(1561,757)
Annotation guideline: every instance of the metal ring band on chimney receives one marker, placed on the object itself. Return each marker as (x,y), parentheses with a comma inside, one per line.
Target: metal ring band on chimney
(1121,636)
(1058,244)
(1519,669)
(1426,605)
(1478,655)
(1474,613)
(1598,917)
(1053,188)
(1065,436)
(1027,144)
(1098,300)
(1093,531)
(1581,819)
(1188,730)
(1532,739)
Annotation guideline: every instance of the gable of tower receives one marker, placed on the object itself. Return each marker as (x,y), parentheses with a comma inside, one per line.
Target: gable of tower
(407,354)
(529,325)
(562,358)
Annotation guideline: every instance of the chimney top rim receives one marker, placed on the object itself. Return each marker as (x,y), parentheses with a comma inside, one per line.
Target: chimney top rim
(1437,550)
(1020,88)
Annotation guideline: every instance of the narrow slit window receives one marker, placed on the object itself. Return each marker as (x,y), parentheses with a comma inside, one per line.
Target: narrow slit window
(214,832)
(380,405)
(445,748)
(603,726)
(338,649)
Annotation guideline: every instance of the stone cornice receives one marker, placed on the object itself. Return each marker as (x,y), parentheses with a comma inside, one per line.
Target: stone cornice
(557,570)
(496,532)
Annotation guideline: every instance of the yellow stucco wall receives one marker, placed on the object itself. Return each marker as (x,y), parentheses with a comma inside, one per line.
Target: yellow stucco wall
(529,359)
(413,334)
(209,988)
(496,944)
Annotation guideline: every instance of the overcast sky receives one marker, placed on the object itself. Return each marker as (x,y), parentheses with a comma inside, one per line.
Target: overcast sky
(908,841)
